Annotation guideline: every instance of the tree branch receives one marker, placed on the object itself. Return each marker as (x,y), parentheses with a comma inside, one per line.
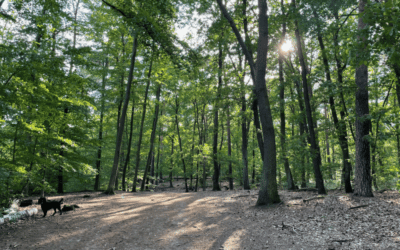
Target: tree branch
(115,8)
(239,38)
(8,80)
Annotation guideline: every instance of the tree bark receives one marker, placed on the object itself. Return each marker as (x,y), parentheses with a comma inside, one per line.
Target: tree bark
(313,136)
(172,162)
(228,128)
(289,177)
(268,190)
(141,129)
(216,174)
(114,171)
(180,145)
(396,69)
(363,178)
(99,150)
(340,126)
(128,153)
(159,169)
(153,135)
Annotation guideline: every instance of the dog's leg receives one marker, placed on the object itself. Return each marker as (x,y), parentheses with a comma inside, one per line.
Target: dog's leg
(54,211)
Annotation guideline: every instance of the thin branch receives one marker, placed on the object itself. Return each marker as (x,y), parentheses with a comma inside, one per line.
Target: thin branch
(115,8)
(345,20)
(8,80)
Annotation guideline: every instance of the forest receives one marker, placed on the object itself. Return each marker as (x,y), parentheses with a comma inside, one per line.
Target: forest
(124,95)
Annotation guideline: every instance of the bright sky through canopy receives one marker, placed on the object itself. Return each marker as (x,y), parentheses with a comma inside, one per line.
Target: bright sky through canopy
(287,46)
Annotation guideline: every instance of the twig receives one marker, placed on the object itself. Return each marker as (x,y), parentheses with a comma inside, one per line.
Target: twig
(359,206)
(341,241)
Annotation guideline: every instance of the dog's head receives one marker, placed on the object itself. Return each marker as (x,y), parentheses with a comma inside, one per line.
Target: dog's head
(42,200)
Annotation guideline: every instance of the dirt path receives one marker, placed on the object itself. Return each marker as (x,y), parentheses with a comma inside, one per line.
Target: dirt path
(210,220)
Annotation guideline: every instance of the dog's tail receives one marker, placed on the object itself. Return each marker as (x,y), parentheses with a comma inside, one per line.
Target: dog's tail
(61,201)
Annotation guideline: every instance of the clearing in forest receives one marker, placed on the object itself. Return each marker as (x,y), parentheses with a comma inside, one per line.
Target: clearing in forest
(174,219)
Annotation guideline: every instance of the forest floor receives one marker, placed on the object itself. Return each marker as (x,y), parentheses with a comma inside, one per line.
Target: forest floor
(173,219)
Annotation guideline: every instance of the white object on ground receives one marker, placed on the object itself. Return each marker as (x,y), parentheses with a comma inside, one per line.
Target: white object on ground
(20,214)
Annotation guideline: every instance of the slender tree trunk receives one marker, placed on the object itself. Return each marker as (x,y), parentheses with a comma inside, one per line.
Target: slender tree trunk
(268,190)
(128,153)
(172,162)
(216,186)
(114,171)
(313,136)
(159,169)
(398,145)
(289,177)
(153,135)
(76,8)
(99,150)
(204,160)
(328,154)
(255,101)
(340,126)
(152,169)
(363,158)
(228,128)
(25,189)
(141,130)
(253,175)
(245,140)
(60,188)
(246,184)
(260,141)
(180,145)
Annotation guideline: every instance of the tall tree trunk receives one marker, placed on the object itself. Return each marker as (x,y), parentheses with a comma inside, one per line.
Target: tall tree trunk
(363,158)
(260,141)
(114,171)
(25,189)
(289,177)
(172,162)
(313,136)
(245,140)
(152,169)
(141,129)
(204,160)
(180,144)
(340,126)
(99,150)
(268,191)
(216,186)
(328,154)
(128,153)
(60,187)
(228,128)
(159,169)
(153,135)
(76,8)
(253,175)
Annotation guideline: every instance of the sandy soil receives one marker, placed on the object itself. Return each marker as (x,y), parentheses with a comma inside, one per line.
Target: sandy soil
(173,219)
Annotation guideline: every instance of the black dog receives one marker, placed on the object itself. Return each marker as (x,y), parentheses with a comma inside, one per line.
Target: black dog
(69,208)
(26,203)
(47,205)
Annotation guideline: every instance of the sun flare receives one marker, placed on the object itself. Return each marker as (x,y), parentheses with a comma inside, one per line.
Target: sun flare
(287,46)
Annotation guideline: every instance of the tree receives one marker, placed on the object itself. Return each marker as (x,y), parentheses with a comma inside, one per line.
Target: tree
(268,192)
(363,180)
(313,136)
(110,189)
